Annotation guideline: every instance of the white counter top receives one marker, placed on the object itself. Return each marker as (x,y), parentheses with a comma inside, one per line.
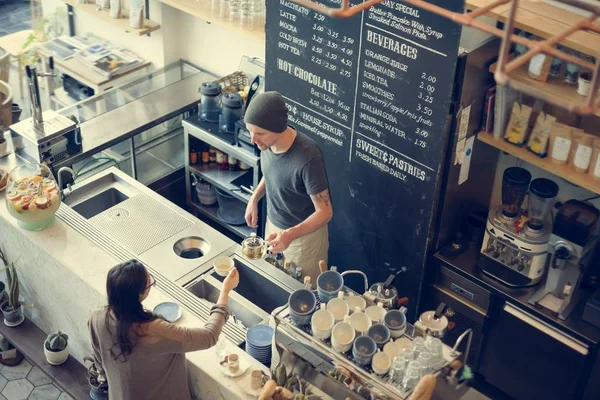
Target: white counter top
(64,275)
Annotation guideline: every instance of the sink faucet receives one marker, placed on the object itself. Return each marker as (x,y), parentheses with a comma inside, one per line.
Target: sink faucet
(65,194)
(355,271)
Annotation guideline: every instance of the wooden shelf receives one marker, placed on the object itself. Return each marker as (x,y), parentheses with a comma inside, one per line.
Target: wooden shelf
(122,23)
(557,88)
(566,172)
(544,20)
(201,9)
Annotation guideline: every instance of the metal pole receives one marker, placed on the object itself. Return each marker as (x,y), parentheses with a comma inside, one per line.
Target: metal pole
(71,15)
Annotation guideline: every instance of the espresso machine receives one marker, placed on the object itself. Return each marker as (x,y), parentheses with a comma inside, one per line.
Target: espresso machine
(47,137)
(515,244)
(571,243)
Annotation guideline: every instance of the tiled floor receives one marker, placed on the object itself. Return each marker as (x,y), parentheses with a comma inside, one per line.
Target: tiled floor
(25,382)
(15,15)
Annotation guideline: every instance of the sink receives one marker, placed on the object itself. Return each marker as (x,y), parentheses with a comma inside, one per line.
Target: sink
(257,288)
(207,289)
(100,202)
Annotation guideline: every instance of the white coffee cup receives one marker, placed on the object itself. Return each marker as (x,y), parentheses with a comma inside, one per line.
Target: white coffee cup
(360,322)
(223,265)
(338,307)
(381,363)
(322,323)
(355,301)
(376,313)
(392,349)
(342,336)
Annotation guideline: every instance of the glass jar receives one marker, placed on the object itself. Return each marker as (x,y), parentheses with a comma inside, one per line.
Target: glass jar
(32,196)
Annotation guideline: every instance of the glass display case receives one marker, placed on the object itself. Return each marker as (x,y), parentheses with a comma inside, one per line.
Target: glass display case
(150,155)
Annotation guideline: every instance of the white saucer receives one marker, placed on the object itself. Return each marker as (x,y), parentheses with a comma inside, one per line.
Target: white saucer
(13,324)
(241,370)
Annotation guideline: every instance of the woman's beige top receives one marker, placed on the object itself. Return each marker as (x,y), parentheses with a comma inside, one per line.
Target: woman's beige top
(156,367)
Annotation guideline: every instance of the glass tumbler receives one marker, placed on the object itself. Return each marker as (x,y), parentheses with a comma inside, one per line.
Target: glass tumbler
(426,360)
(412,375)
(417,348)
(247,15)
(235,9)
(225,10)
(215,8)
(435,347)
(397,370)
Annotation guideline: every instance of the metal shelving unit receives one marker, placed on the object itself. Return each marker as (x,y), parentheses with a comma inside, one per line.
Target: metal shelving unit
(223,179)
(211,213)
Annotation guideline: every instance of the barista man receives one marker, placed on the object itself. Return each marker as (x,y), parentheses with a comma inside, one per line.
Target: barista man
(295,183)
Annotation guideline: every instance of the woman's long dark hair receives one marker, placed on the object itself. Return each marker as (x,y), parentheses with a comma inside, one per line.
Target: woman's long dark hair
(124,285)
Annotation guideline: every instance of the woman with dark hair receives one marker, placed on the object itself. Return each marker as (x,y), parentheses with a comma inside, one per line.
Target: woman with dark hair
(141,355)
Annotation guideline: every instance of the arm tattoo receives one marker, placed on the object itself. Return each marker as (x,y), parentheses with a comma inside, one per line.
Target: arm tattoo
(322,197)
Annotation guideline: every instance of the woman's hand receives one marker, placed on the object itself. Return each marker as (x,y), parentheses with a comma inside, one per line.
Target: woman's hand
(231,281)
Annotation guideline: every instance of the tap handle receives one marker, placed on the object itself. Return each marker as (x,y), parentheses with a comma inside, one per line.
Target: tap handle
(28,71)
(51,63)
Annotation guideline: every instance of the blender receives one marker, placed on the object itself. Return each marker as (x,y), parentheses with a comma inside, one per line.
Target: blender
(210,103)
(542,196)
(515,245)
(515,182)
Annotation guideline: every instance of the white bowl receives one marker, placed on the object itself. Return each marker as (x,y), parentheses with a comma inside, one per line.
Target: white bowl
(223,265)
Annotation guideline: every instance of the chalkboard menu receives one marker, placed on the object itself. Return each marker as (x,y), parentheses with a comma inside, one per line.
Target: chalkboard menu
(374,91)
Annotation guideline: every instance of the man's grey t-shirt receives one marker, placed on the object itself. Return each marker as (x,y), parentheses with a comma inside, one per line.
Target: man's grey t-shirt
(291,178)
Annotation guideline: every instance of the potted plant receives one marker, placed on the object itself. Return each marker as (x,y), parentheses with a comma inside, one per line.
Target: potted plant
(56,348)
(98,384)
(12,308)
(7,350)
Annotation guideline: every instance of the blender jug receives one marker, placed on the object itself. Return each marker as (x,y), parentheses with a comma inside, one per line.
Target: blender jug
(542,194)
(210,103)
(515,182)
(231,112)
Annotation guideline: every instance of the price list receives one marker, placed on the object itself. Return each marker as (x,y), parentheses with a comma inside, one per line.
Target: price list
(374,91)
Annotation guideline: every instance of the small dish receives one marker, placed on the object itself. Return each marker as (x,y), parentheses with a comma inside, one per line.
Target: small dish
(241,370)
(223,265)
(169,311)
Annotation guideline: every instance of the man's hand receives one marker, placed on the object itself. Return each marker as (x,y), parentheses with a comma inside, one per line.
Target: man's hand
(252,214)
(279,241)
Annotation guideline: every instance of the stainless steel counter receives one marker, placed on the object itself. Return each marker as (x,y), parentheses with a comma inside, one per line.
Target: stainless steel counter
(133,118)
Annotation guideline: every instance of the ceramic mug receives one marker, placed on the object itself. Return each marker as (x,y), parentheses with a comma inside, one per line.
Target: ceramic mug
(302,304)
(329,283)
(381,363)
(256,381)
(392,349)
(355,301)
(338,307)
(360,322)
(376,313)
(322,323)
(363,350)
(379,333)
(342,336)
(395,321)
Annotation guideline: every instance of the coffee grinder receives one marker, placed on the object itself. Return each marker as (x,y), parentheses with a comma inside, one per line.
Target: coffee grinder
(571,243)
(515,244)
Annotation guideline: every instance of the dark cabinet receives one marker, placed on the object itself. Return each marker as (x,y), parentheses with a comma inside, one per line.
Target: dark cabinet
(528,359)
